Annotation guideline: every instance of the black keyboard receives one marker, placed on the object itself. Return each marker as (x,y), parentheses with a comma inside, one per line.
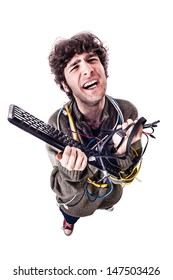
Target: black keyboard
(54,137)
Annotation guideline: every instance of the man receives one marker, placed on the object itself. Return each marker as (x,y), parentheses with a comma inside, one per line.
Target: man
(79,65)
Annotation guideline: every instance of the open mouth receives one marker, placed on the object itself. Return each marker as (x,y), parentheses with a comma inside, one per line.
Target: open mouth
(91,84)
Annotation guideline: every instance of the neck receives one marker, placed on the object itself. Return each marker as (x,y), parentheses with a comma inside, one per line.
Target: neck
(92,112)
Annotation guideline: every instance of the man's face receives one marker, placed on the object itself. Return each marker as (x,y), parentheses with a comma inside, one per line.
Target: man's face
(86,78)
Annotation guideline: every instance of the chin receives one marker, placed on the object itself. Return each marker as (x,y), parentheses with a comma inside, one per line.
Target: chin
(94,101)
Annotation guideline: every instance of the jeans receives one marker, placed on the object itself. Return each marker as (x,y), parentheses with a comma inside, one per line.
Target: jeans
(70,219)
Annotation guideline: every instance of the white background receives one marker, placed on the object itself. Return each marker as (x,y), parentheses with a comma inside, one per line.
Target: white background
(139,231)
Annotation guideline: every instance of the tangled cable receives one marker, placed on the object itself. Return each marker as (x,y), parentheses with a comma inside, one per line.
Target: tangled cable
(104,157)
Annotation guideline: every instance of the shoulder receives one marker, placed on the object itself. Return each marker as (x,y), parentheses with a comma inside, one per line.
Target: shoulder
(128,109)
(126,104)
(59,118)
(53,118)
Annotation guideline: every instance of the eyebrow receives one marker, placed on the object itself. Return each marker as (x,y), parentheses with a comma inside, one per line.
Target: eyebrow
(73,63)
(89,55)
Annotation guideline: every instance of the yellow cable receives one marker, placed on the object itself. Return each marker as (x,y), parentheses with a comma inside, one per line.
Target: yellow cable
(75,136)
(96,184)
(134,151)
(128,179)
(72,125)
(131,178)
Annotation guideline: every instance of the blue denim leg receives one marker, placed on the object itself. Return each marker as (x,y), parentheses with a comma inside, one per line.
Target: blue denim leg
(70,219)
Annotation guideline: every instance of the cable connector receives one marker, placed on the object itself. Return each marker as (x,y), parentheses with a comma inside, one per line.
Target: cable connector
(92,158)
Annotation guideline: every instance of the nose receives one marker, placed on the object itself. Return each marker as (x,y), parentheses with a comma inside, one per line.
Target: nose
(87,69)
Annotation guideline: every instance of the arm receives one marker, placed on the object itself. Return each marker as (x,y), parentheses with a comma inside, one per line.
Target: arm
(73,159)
(69,176)
(135,148)
(117,138)
(67,182)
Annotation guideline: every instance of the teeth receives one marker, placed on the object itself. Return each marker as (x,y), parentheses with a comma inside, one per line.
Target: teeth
(90,83)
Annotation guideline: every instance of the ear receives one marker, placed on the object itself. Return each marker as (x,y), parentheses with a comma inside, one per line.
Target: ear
(65,87)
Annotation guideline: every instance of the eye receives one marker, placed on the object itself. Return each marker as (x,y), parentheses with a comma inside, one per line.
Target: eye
(73,68)
(93,60)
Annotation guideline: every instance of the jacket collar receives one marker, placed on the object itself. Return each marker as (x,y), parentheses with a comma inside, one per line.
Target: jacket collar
(79,116)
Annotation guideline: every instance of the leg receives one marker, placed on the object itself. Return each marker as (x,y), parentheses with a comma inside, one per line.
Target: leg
(68,223)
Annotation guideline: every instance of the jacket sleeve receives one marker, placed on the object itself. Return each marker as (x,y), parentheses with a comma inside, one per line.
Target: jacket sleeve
(65,183)
(132,157)
(130,111)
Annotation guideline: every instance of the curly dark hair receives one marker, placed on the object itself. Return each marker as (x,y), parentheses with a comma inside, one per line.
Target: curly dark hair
(64,50)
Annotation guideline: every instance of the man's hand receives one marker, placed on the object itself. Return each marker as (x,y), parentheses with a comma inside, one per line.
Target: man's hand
(116,138)
(72,158)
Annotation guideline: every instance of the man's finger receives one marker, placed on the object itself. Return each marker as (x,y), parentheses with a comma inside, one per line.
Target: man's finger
(59,156)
